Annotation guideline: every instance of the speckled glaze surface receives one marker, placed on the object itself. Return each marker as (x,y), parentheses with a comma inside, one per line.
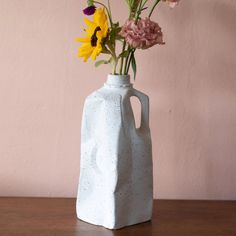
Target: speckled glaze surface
(116,179)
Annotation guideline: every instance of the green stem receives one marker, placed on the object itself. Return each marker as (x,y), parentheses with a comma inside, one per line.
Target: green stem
(144,3)
(109,8)
(115,65)
(138,11)
(126,62)
(114,70)
(113,54)
(122,59)
(153,7)
(130,58)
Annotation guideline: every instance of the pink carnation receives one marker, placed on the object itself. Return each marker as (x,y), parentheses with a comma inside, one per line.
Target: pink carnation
(171,3)
(143,34)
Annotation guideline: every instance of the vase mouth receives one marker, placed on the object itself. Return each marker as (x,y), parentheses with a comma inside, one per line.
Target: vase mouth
(118,81)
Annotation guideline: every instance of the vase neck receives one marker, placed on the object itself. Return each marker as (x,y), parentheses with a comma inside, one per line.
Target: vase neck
(118,81)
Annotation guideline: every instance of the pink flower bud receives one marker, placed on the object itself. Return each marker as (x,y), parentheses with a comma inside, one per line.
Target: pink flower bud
(171,3)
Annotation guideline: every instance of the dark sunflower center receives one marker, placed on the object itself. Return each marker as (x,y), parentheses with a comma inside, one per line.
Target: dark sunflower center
(94,38)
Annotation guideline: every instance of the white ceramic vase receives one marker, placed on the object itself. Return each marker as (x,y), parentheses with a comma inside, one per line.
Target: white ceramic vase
(116,179)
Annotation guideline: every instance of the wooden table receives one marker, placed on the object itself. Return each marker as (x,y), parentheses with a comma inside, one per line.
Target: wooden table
(46,217)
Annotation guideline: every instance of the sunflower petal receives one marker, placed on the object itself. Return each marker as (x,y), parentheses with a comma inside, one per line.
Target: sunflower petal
(85,53)
(96,52)
(89,23)
(87,56)
(83,40)
(99,16)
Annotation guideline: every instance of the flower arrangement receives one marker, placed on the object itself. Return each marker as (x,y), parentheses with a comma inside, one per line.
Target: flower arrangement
(103,34)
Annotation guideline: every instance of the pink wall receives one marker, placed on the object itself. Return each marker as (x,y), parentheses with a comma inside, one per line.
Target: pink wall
(191,83)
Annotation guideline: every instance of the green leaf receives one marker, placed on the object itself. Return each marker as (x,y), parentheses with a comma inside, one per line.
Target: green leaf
(102,62)
(143,9)
(134,65)
(116,25)
(114,33)
(118,37)
(105,50)
(124,54)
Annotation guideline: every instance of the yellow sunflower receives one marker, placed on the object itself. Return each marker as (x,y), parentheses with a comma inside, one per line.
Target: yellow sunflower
(96,32)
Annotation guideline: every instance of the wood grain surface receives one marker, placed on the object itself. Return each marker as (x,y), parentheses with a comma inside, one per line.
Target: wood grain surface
(56,216)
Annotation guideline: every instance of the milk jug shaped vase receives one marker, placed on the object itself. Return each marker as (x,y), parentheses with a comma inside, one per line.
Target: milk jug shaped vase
(116,181)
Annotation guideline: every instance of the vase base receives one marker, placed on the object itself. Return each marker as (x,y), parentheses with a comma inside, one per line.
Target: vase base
(115,227)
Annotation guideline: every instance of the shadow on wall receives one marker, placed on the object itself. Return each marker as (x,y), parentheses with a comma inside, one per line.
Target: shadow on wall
(195,116)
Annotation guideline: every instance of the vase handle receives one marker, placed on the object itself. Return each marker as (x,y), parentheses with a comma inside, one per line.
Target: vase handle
(144,100)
